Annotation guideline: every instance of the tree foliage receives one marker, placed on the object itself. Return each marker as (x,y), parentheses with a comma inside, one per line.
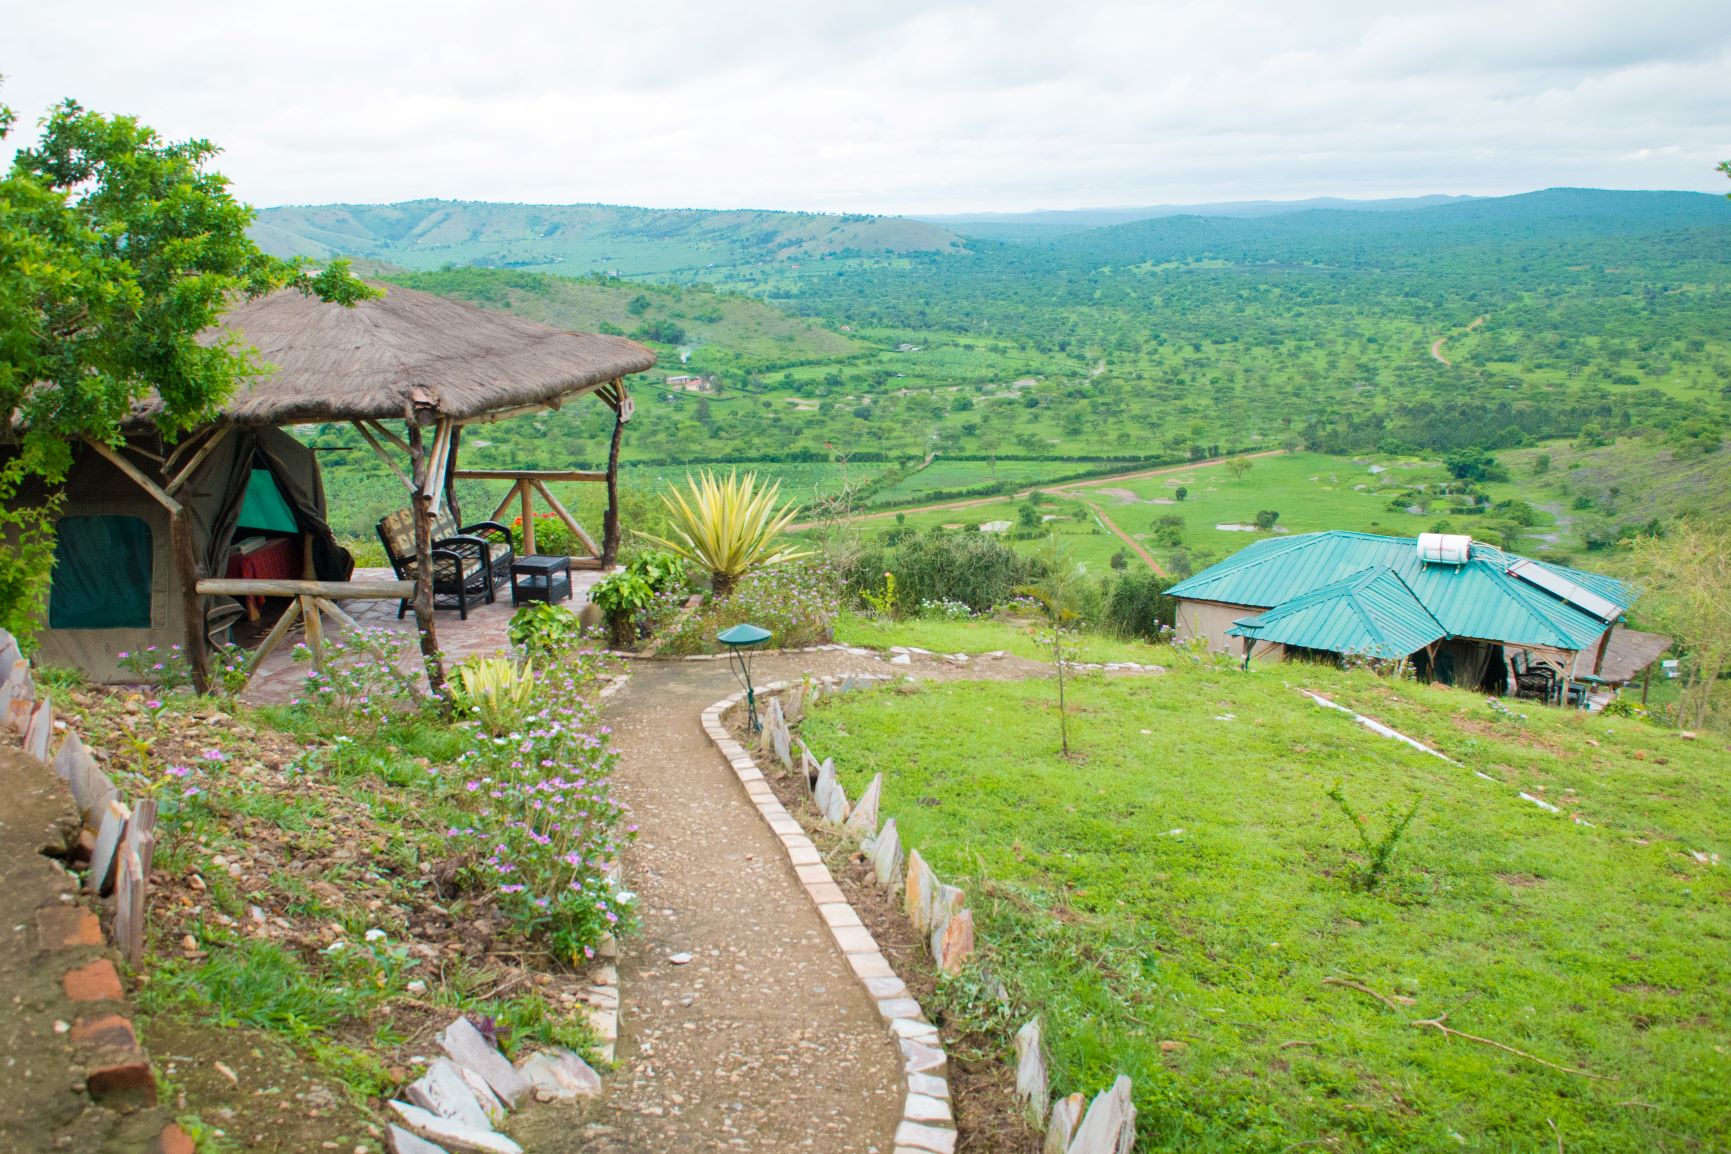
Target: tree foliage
(1685,580)
(117,248)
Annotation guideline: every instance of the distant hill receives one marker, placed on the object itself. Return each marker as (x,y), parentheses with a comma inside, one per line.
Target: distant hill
(1556,225)
(576,239)
(673,319)
(1051,223)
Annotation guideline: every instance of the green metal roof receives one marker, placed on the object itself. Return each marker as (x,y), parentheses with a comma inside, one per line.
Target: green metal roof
(1371,613)
(1479,599)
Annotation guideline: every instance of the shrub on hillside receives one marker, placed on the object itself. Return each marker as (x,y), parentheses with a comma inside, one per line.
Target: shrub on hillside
(1137,606)
(797,602)
(976,569)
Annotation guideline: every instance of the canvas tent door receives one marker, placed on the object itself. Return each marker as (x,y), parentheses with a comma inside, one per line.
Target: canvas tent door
(115,588)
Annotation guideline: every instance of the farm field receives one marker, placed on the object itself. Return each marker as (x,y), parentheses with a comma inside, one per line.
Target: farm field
(1178,904)
(1310,491)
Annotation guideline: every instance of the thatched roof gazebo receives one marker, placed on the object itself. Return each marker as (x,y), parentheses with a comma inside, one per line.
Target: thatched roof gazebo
(435,364)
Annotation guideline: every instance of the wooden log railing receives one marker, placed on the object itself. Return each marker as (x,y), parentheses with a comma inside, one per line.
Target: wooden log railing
(309,600)
(525,483)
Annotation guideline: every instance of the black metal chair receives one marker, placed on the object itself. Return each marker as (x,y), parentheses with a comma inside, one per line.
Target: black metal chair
(469,564)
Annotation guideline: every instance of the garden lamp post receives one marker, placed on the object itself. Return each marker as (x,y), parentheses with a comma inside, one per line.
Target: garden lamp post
(739,641)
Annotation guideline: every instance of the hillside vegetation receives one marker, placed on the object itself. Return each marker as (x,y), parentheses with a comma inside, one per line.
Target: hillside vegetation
(583,238)
(1182,903)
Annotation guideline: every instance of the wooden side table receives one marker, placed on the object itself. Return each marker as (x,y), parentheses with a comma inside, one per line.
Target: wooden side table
(539,577)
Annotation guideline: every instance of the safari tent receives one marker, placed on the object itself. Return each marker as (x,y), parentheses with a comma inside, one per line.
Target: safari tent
(115,585)
(147,532)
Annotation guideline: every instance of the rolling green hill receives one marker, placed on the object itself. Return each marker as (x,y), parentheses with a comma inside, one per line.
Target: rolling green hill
(689,319)
(576,239)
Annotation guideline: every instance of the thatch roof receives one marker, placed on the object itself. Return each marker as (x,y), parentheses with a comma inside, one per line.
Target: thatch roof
(1629,652)
(337,364)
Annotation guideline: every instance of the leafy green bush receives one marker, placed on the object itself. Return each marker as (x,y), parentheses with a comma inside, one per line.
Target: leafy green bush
(976,569)
(797,603)
(1137,606)
(544,631)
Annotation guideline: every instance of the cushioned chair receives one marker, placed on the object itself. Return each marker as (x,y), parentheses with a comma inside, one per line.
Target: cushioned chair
(468,563)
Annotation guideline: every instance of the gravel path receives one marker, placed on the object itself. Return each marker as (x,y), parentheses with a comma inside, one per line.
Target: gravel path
(764,1040)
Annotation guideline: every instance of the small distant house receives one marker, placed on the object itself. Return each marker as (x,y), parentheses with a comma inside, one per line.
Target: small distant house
(1462,612)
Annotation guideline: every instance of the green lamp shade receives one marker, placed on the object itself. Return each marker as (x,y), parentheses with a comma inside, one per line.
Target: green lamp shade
(743,635)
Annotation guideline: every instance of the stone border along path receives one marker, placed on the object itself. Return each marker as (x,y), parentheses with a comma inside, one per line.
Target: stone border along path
(927,1123)
(937,912)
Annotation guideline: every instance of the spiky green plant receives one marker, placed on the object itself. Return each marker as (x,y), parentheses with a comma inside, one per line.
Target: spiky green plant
(496,691)
(728,526)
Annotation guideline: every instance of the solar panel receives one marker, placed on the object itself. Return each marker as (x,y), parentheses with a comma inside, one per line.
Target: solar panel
(1561,587)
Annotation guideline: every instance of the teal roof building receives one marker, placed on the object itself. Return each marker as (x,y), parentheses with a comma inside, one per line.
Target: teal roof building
(1393,597)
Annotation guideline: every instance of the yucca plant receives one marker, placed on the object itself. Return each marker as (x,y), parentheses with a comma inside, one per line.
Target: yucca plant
(496,691)
(728,526)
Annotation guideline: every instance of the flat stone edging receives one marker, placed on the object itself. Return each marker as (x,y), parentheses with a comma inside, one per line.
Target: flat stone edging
(928,1123)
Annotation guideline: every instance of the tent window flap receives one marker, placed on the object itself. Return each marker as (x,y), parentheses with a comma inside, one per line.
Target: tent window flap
(264,508)
(102,577)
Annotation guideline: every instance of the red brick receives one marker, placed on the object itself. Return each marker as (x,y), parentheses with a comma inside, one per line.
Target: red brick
(62,927)
(97,982)
(173,1140)
(128,1082)
(108,1030)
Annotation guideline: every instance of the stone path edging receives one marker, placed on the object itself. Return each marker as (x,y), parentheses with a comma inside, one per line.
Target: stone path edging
(928,1123)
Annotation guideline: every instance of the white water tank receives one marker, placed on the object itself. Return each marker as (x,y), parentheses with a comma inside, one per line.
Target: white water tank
(1444,548)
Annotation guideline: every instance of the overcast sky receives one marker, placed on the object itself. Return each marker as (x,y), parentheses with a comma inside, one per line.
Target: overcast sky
(893,106)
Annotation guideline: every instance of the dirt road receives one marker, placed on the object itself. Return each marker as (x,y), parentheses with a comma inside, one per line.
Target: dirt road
(1436,346)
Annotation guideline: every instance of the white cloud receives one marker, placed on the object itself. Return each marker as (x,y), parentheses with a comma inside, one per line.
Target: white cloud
(896,105)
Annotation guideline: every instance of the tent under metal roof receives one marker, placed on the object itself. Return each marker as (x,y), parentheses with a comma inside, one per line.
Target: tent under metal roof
(1372,613)
(1492,596)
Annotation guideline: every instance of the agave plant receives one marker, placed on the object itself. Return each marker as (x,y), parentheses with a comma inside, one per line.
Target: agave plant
(728,526)
(496,691)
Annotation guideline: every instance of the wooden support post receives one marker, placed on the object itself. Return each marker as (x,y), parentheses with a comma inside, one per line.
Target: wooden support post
(315,631)
(564,515)
(451,475)
(610,523)
(528,518)
(191,603)
(420,502)
(1604,644)
(274,638)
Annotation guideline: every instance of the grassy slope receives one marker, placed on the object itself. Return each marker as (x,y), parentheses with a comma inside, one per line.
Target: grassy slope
(1600,946)
(1626,483)
(984,637)
(739,324)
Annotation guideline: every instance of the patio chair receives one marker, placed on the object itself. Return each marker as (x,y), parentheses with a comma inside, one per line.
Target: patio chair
(1534,680)
(469,564)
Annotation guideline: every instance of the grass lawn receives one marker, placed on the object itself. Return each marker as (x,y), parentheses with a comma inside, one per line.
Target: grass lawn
(1172,901)
(985,636)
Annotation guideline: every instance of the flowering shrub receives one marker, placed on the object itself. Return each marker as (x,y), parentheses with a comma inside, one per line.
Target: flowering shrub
(366,677)
(162,669)
(945,610)
(540,816)
(797,603)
